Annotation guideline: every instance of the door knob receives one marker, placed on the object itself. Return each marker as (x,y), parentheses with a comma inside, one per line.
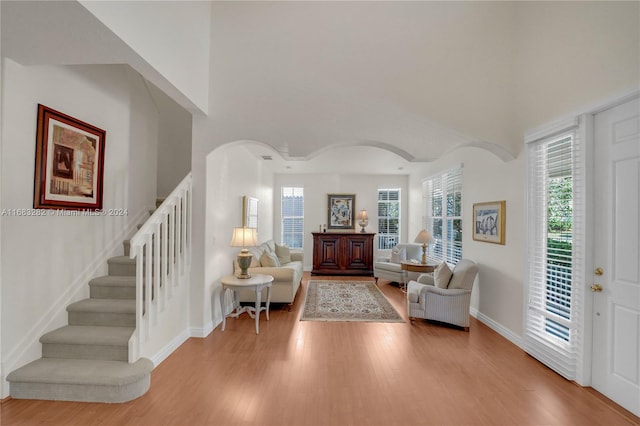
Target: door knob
(598,271)
(596,288)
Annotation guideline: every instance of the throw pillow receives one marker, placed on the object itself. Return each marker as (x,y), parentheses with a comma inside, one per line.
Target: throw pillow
(269,260)
(398,254)
(442,275)
(283,253)
(256,253)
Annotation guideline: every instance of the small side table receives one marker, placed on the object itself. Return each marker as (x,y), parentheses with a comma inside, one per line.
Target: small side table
(408,266)
(256,282)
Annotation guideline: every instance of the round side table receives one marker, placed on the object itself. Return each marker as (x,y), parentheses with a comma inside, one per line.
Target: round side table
(257,283)
(408,266)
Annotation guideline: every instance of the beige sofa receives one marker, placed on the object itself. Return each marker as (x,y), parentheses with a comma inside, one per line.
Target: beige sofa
(287,276)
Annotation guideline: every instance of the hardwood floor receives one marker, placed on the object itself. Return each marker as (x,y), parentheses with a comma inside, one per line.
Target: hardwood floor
(342,373)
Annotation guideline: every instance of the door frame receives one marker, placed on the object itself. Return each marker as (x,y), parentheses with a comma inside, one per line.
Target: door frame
(587,132)
(585,117)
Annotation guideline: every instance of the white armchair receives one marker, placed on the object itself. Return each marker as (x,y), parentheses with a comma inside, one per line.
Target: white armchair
(450,304)
(390,269)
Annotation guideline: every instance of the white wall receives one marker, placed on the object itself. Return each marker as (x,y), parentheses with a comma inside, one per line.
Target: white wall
(179,27)
(174,142)
(498,293)
(47,261)
(231,173)
(317,186)
(572,54)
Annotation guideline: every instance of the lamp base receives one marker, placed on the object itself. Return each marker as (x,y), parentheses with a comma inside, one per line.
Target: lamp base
(424,254)
(244,261)
(363,225)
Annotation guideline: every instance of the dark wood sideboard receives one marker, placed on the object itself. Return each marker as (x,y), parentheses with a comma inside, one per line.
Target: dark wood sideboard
(342,253)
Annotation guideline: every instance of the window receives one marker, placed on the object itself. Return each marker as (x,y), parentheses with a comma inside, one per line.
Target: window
(388,218)
(443,205)
(554,232)
(292,217)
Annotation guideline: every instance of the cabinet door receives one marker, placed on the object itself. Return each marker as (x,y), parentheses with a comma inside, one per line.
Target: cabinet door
(358,253)
(326,252)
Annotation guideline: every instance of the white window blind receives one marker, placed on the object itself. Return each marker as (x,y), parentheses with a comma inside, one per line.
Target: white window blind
(443,205)
(388,218)
(292,214)
(555,244)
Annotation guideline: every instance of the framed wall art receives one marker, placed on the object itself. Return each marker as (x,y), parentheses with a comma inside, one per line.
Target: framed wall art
(341,211)
(249,212)
(489,221)
(69,164)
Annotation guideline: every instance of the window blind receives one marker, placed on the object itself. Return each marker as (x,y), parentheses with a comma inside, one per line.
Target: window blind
(555,245)
(292,215)
(388,218)
(443,206)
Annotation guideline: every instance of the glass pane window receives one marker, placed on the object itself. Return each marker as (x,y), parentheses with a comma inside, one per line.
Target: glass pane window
(388,218)
(555,231)
(443,204)
(292,216)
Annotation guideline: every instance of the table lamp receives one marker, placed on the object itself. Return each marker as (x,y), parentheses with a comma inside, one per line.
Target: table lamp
(363,219)
(424,238)
(244,237)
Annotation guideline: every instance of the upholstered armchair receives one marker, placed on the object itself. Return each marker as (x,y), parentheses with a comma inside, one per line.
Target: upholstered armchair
(389,268)
(448,301)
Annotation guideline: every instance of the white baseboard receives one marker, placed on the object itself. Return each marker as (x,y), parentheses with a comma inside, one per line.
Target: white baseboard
(29,348)
(203,332)
(170,347)
(498,328)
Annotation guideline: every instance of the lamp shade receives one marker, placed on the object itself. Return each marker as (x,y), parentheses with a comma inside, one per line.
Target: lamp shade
(423,237)
(363,215)
(244,237)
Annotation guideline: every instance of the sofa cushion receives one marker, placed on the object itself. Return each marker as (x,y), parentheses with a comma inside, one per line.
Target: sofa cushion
(398,254)
(269,259)
(388,266)
(442,275)
(283,253)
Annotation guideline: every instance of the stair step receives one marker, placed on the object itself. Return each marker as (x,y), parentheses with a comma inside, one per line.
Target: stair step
(81,380)
(122,265)
(87,342)
(103,312)
(113,287)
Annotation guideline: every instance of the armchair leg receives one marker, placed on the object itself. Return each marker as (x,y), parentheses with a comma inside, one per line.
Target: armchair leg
(376,278)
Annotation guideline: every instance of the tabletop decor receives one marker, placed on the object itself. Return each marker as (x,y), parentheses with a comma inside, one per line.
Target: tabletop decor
(329,300)
(489,221)
(341,211)
(69,162)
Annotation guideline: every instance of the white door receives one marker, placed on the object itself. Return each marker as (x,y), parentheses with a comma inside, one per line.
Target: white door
(616,313)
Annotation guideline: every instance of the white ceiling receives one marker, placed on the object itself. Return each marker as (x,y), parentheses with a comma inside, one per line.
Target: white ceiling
(318,84)
(415,78)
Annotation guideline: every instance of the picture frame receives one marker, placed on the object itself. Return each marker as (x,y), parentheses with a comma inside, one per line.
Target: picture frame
(249,212)
(341,211)
(489,220)
(69,163)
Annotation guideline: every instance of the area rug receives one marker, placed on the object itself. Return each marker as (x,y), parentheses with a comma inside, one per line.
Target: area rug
(347,301)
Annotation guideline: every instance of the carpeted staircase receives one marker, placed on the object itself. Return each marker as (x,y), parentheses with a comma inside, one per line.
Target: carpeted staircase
(87,360)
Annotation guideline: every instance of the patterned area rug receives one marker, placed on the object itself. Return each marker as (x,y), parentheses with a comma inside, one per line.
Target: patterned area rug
(347,301)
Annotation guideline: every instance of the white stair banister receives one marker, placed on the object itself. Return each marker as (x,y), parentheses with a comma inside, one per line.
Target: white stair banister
(162,249)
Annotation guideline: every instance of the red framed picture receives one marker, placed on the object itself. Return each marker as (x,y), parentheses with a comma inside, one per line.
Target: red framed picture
(69,165)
